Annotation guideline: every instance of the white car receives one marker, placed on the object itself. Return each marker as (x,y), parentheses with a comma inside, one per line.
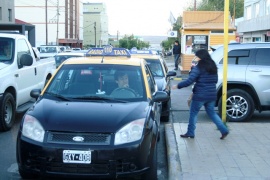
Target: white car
(48,51)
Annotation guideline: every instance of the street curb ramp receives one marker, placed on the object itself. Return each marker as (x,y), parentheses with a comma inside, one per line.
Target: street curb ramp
(174,167)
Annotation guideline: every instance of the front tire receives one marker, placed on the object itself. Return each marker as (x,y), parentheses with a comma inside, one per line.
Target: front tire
(7,112)
(239,106)
(152,172)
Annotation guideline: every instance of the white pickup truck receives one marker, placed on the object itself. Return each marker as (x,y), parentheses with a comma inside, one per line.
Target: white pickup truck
(20,71)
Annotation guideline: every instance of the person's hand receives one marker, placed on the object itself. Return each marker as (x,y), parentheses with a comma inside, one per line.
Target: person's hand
(174,87)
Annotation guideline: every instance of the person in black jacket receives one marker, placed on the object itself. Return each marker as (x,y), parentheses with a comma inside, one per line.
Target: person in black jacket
(205,77)
(176,53)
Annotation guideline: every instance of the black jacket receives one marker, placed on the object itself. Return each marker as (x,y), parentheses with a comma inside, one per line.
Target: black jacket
(177,49)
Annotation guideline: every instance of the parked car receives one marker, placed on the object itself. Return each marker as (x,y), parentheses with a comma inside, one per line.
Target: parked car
(248,79)
(161,74)
(84,125)
(61,57)
(48,51)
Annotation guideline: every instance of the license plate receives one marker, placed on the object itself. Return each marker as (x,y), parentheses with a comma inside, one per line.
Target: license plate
(74,156)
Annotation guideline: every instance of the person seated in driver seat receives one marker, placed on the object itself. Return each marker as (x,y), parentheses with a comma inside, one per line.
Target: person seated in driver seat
(121,78)
(123,90)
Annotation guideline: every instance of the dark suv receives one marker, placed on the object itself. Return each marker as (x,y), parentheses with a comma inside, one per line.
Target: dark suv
(248,80)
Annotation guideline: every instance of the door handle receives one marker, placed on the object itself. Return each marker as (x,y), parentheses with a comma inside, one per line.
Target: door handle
(255,70)
(35,71)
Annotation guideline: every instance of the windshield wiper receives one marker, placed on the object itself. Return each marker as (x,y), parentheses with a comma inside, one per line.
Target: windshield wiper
(99,98)
(58,96)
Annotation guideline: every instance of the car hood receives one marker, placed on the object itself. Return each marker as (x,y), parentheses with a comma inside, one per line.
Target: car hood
(86,116)
(161,83)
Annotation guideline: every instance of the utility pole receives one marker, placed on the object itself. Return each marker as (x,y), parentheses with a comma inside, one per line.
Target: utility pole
(57,23)
(46,19)
(95,28)
(195,5)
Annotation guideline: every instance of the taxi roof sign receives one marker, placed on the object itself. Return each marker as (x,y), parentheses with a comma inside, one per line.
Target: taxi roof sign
(108,51)
(135,51)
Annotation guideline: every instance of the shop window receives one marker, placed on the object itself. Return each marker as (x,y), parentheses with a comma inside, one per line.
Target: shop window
(195,42)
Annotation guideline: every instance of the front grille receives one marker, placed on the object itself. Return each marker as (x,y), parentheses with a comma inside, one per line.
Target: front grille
(55,165)
(88,138)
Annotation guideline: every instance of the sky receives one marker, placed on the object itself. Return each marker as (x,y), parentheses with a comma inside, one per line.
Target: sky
(142,17)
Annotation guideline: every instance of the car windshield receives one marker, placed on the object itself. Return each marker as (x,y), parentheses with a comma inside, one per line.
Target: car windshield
(217,55)
(6,50)
(155,67)
(98,82)
(46,49)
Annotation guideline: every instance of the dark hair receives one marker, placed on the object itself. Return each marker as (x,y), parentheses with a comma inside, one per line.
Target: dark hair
(176,42)
(206,63)
(118,74)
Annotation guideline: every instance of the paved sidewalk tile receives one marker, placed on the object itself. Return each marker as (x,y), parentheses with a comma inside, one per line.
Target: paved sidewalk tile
(244,154)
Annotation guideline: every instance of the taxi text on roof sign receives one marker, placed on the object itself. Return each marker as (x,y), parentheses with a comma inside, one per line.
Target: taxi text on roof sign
(108,51)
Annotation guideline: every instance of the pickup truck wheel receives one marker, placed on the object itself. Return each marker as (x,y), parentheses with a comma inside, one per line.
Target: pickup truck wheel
(239,106)
(7,113)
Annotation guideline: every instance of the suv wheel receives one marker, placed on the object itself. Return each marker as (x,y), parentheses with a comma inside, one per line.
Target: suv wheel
(239,105)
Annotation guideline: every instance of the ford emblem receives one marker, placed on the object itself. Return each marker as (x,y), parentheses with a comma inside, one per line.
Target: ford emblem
(78,139)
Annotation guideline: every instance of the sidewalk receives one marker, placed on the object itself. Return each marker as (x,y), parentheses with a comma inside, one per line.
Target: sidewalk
(244,154)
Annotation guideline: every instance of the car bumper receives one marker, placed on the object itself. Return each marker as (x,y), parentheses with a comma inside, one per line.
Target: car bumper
(107,162)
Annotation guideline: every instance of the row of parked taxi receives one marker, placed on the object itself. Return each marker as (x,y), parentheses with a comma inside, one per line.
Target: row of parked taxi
(98,116)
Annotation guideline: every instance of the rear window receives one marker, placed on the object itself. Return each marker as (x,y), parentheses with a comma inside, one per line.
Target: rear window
(238,57)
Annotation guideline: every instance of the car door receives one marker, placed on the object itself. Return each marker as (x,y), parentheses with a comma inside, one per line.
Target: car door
(25,76)
(258,74)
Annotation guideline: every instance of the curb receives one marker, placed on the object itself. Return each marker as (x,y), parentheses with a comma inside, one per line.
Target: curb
(174,167)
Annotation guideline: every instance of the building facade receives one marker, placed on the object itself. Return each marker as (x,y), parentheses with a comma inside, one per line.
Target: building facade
(7,15)
(201,30)
(95,25)
(256,24)
(57,22)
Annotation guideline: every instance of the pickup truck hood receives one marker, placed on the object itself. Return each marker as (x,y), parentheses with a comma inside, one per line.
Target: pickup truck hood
(86,116)
(3,65)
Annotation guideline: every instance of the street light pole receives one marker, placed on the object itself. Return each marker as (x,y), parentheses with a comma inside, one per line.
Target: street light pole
(57,22)
(95,28)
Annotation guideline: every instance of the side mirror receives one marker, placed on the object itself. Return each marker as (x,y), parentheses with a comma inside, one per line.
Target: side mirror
(35,93)
(160,96)
(171,73)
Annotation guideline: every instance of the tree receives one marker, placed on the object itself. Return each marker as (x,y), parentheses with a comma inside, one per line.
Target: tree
(129,42)
(236,7)
(167,44)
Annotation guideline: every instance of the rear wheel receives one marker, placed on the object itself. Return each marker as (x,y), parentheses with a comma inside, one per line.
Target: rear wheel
(239,105)
(166,109)
(7,112)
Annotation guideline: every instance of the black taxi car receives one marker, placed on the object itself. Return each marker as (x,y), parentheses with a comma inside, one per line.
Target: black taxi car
(84,124)
(161,75)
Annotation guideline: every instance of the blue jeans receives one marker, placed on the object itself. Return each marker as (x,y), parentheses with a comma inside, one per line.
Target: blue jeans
(209,107)
(176,62)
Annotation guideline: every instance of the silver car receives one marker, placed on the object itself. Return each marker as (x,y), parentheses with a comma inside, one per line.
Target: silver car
(248,79)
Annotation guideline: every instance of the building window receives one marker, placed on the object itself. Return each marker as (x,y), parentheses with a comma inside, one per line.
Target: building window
(257,10)
(267,7)
(256,39)
(248,12)
(195,42)
(9,15)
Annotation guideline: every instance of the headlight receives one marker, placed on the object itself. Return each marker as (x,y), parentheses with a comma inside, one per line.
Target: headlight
(32,129)
(130,132)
